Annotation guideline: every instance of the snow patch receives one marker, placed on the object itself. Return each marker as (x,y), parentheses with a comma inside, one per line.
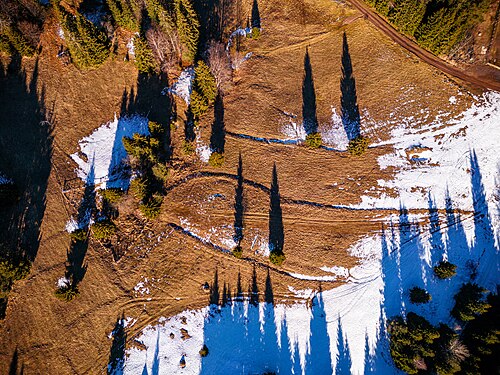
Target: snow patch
(183,86)
(103,155)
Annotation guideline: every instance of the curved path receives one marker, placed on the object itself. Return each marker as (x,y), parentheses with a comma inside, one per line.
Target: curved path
(428,57)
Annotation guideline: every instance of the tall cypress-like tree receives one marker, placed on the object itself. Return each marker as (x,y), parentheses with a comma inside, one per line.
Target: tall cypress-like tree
(188,27)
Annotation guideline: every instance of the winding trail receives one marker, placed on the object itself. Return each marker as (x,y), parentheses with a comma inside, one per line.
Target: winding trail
(470,77)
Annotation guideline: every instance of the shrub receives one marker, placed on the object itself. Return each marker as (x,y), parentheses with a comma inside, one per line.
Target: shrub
(140,187)
(160,171)
(216,159)
(445,270)
(78,235)
(67,293)
(112,195)
(469,302)
(277,258)
(313,140)
(255,33)
(358,145)
(419,295)
(152,208)
(238,252)
(13,271)
(103,230)
(204,351)
(19,42)
(188,147)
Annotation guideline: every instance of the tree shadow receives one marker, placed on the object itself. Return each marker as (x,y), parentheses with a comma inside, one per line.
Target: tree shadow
(344,361)
(76,267)
(268,293)
(437,243)
(218,136)
(255,14)
(253,289)
(483,249)
(214,290)
(238,205)
(318,359)
(25,157)
(189,133)
(276,230)
(348,100)
(456,239)
(14,363)
(309,117)
(116,360)
(392,293)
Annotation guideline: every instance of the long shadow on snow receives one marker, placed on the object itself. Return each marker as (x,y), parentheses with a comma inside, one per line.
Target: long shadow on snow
(242,336)
(116,360)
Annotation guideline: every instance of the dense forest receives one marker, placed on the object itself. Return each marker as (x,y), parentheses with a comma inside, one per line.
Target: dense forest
(436,25)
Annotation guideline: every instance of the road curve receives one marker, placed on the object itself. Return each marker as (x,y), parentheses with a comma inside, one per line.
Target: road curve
(421,53)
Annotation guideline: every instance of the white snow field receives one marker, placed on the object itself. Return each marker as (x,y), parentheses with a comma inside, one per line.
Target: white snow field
(344,330)
(102,153)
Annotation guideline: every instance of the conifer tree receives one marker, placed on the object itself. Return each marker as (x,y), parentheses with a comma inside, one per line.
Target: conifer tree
(18,41)
(144,58)
(123,12)
(204,82)
(88,46)
(188,27)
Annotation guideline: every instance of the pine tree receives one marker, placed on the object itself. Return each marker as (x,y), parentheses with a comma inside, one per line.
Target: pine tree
(123,12)
(88,46)
(18,41)
(144,58)
(204,82)
(188,27)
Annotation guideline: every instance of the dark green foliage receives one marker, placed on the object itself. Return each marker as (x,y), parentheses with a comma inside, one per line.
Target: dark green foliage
(216,159)
(204,351)
(198,103)
(437,25)
(103,230)
(124,13)
(277,258)
(140,187)
(160,15)
(152,207)
(79,235)
(67,293)
(313,140)
(419,295)
(358,145)
(238,252)
(11,271)
(188,147)
(5,45)
(445,270)
(160,171)
(8,194)
(112,195)
(255,33)
(482,337)
(17,41)
(188,28)
(411,341)
(144,58)
(88,46)
(147,148)
(469,302)
(204,82)
(449,351)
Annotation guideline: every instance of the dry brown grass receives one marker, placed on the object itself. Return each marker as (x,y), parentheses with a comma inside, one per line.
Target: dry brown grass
(54,337)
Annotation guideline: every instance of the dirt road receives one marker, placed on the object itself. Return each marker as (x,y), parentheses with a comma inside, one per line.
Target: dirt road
(470,77)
